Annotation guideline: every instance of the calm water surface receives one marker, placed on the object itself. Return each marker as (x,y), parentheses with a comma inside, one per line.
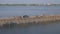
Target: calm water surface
(28,10)
(53,28)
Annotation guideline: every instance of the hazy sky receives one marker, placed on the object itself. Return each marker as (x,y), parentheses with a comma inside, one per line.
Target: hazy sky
(30,1)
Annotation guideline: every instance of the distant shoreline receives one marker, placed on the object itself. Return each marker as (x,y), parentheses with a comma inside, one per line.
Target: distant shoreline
(29,4)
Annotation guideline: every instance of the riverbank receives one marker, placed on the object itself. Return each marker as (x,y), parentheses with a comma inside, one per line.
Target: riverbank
(29,19)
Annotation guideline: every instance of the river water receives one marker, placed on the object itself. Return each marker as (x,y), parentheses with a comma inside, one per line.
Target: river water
(53,28)
(6,11)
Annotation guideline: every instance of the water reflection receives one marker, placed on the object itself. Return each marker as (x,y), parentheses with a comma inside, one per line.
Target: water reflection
(52,28)
(15,25)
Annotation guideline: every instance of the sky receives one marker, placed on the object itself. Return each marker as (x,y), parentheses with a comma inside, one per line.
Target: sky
(29,1)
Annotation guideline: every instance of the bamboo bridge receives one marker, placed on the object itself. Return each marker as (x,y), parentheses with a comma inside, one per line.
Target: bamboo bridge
(30,19)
